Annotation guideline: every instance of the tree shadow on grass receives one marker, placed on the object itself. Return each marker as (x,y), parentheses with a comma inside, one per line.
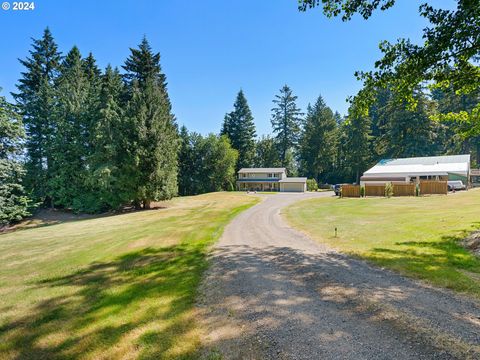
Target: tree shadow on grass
(444,262)
(49,217)
(139,303)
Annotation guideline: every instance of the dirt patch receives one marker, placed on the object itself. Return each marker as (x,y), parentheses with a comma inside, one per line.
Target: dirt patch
(472,243)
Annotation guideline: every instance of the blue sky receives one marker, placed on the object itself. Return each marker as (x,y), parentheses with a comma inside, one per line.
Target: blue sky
(210,49)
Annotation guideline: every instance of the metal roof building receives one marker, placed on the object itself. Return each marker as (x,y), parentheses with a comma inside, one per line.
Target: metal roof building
(449,167)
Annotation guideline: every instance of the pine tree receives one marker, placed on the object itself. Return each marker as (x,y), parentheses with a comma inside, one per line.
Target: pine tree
(341,173)
(152,136)
(357,145)
(318,141)
(379,119)
(107,177)
(239,127)
(69,150)
(13,200)
(338,118)
(36,99)
(185,163)
(143,65)
(93,77)
(408,133)
(286,122)
(457,136)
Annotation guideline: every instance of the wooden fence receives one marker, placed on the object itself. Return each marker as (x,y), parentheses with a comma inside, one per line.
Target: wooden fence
(404,189)
(433,187)
(350,190)
(374,190)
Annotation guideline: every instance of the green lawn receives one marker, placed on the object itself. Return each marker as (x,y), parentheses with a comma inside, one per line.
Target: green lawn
(415,236)
(113,287)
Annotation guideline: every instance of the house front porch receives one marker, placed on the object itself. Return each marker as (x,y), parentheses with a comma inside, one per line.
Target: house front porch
(257,186)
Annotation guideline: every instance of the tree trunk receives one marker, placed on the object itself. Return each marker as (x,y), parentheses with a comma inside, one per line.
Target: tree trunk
(478,152)
(137,204)
(147,204)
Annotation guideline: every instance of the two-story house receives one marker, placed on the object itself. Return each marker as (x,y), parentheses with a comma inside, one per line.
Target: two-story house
(269,179)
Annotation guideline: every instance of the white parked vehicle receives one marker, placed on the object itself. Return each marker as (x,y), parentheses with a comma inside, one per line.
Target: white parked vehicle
(455,185)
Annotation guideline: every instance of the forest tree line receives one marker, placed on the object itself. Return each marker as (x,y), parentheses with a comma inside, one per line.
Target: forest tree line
(94,140)
(330,148)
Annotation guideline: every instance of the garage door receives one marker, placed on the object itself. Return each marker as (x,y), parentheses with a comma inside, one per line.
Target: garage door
(292,187)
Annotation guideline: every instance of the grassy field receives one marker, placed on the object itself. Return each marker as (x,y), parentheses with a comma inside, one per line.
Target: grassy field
(415,236)
(112,287)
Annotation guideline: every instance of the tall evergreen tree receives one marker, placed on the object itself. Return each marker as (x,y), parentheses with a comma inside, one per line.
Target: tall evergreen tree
(36,99)
(93,77)
(407,133)
(107,179)
(318,142)
(341,171)
(378,117)
(153,138)
(338,118)
(69,148)
(239,127)
(286,122)
(13,200)
(457,136)
(357,145)
(185,163)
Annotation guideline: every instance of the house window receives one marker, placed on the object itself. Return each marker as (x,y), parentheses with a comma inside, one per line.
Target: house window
(270,175)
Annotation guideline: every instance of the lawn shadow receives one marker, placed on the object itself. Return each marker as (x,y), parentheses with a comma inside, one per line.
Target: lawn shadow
(49,217)
(140,303)
(444,262)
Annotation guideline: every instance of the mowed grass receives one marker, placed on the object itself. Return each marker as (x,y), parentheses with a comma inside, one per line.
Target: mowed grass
(416,236)
(114,287)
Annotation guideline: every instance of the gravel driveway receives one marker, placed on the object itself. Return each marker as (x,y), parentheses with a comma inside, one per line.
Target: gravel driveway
(272,293)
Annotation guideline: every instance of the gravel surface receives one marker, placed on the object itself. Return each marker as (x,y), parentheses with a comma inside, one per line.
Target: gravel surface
(272,293)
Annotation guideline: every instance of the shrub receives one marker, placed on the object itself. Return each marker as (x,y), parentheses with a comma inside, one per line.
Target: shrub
(388,190)
(362,191)
(417,190)
(312,185)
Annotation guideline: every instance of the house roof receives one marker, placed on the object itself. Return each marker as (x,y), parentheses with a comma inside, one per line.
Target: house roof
(427,160)
(261,170)
(433,165)
(294,180)
(382,178)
